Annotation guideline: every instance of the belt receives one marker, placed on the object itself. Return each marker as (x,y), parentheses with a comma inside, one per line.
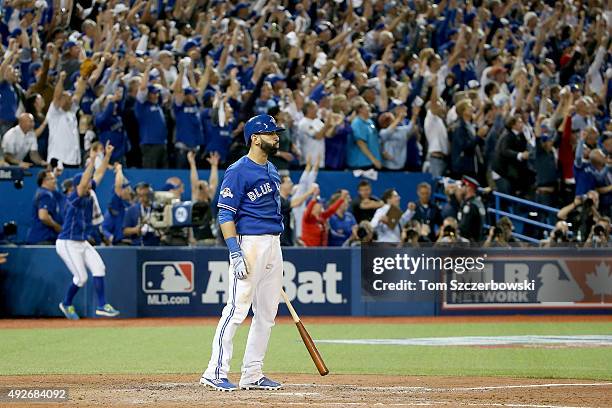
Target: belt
(545,190)
(438,155)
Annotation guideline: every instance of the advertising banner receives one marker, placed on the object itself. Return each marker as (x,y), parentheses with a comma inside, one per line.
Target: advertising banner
(536,279)
(488,278)
(194,282)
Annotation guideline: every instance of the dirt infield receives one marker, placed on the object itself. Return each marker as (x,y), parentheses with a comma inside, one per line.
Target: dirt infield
(314,391)
(54,323)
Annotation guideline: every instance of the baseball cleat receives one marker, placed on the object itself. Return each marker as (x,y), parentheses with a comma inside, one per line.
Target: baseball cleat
(264,383)
(107,310)
(219,384)
(69,312)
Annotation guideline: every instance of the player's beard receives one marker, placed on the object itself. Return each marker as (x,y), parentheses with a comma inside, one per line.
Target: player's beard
(269,148)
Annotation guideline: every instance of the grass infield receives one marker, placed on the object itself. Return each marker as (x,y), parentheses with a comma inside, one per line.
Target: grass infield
(186,349)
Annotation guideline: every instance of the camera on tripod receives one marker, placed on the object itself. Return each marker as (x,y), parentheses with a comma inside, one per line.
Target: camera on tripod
(168,212)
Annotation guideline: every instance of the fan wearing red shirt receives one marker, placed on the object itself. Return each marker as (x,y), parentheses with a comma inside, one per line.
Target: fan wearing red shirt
(314,222)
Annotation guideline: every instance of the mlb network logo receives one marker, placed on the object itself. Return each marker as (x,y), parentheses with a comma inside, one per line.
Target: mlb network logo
(167,277)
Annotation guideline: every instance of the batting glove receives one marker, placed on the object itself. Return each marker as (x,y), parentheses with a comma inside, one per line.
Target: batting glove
(238,265)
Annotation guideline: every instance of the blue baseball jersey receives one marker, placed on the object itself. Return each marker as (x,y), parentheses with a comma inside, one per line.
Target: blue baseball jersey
(39,232)
(79,212)
(151,123)
(251,192)
(189,128)
(113,218)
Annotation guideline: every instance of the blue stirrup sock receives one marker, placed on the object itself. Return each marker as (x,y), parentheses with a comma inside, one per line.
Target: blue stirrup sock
(99,286)
(72,290)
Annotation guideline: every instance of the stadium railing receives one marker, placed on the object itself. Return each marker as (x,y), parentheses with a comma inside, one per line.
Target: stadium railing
(509,202)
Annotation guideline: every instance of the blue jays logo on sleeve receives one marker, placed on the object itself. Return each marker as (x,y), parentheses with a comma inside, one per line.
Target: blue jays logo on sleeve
(226,192)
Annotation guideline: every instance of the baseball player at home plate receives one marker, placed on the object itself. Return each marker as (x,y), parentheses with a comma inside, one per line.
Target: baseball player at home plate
(251,222)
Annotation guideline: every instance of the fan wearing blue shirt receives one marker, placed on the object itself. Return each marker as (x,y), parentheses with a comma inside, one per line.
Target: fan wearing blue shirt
(363,149)
(110,124)
(189,129)
(46,211)
(151,124)
(8,93)
(220,136)
(112,227)
(341,223)
(72,245)
(136,223)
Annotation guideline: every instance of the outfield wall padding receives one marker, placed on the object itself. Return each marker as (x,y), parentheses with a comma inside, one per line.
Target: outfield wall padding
(152,282)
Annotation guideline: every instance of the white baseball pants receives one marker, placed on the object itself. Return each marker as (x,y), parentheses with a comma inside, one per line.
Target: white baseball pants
(261,290)
(78,257)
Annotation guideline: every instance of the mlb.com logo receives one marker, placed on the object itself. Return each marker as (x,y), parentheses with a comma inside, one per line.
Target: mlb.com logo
(162,277)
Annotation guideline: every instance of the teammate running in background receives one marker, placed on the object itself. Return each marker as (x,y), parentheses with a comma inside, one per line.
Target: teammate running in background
(251,222)
(72,245)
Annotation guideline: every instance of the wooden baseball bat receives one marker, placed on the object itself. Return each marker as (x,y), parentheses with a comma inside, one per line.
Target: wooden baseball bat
(310,346)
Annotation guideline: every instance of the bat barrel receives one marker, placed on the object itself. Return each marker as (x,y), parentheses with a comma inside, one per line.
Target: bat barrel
(312,349)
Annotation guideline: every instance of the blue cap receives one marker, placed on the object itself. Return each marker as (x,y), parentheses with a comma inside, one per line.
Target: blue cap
(69,44)
(241,6)
(545,138)
(153,89)
(16,32)
(318,93)
(229,67)
(260,124)
(575,80)
(208,94)
(469,17)
(189,91)
(189,45)
(169,187)
(34,66)
(272,79)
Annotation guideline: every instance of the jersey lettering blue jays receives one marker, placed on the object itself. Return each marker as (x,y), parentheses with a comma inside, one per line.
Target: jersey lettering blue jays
(252,192)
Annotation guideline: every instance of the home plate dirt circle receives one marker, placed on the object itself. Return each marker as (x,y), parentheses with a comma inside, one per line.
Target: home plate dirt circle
(314,391)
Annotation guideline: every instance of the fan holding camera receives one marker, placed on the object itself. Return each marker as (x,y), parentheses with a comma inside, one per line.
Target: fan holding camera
(560,236)
(449,233)
(600,234)
(582,214)
(416,233)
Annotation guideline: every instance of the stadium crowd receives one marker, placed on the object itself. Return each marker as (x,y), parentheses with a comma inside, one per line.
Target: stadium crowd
(513,96)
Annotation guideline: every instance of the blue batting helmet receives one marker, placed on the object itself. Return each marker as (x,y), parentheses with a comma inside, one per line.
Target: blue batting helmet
(260,124)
